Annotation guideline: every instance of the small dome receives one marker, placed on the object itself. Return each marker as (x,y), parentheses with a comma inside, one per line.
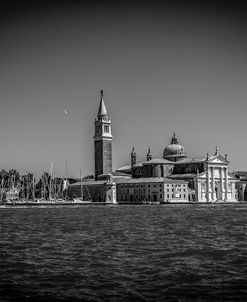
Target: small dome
(174,151)
(106,176)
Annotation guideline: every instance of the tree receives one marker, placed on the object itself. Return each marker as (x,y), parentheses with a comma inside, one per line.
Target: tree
(88,177)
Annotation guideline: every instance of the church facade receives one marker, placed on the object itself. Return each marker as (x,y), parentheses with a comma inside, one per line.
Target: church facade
(208,177)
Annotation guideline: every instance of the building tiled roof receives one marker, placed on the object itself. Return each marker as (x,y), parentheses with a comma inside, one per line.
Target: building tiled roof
(181,176)
(199,159)
(124,168)
(88,183)
(100,182)
(241,173)
(158,161)
(128,167)
(116,174)
(132,180)
(137,165)
(151,180)
(150,162)
(232,175)
(112,174)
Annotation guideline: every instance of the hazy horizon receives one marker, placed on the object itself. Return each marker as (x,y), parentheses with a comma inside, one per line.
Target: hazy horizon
(177,66)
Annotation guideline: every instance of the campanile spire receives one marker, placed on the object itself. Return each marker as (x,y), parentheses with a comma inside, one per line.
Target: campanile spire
(102,108)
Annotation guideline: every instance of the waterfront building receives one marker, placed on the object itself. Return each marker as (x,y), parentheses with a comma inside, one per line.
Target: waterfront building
(103,189)
(209,179)
(154,189)
(241,188)
(172,178)
(241,185)
(138,183)
(97,191)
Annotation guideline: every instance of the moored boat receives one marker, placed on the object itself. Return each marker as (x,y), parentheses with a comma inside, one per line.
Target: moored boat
(80,200)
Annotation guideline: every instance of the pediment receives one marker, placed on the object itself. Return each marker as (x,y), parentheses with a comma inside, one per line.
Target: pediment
(218,159)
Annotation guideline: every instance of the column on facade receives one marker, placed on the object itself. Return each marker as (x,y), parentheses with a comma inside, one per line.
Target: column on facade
(213,185)
(208,184)
(233,191)
(197,191)
(226,183)
(222,183)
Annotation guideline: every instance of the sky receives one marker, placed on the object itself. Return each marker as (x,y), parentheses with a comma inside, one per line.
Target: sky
(177,66)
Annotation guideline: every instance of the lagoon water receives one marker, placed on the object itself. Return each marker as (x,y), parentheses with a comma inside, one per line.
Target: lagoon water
(124,253)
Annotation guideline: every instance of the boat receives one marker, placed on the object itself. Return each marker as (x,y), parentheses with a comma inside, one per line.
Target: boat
(80,200)
(85,194)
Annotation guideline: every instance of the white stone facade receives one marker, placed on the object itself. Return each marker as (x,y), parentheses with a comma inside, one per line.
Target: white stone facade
(152,190)
(215,183)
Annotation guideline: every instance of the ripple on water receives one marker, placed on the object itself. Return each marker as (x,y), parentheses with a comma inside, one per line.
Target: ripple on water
(124,253)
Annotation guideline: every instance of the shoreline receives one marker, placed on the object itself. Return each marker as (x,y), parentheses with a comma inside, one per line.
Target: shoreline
(55,204)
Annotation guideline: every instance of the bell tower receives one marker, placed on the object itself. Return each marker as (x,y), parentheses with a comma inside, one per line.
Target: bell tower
(102,141)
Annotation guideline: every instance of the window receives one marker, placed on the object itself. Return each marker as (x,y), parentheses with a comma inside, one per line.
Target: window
(160,195)
(106,128)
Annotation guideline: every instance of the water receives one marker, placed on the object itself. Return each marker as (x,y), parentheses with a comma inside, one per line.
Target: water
(124,253)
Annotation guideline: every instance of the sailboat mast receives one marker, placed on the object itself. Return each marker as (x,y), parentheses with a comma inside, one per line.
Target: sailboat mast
(55,187)
(42,186)
(33,188)
(27,188)
(81,185)
(1,198)
(50,180)
(66,179)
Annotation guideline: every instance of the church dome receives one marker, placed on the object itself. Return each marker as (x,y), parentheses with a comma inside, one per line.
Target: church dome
(174,151)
